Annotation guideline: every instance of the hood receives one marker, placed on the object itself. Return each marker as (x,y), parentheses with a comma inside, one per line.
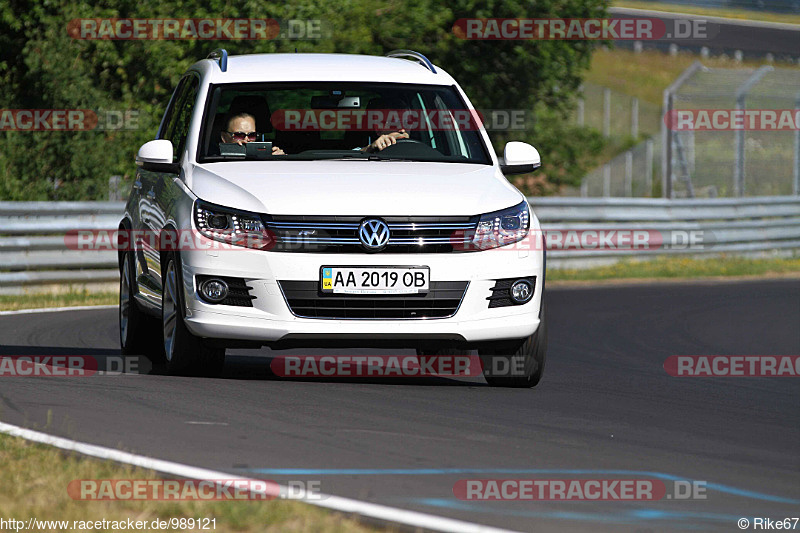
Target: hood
(377,188)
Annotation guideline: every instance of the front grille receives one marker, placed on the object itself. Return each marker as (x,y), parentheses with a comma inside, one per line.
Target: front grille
(238,291)
(500,292)
(340,234)
(441,301)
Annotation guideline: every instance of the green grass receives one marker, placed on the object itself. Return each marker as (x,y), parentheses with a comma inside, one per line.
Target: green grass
(682,268)
(34,479)
(741,14)
(646,74)
(67,299)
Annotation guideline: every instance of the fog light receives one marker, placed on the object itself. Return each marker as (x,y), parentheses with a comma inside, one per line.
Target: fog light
(214,290)
(521,291)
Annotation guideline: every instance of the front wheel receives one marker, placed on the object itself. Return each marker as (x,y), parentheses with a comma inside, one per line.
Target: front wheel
(517,364)
(138,333)
(185,353)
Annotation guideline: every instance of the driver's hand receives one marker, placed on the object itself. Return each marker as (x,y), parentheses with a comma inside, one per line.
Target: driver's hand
(277,151)
(384,141)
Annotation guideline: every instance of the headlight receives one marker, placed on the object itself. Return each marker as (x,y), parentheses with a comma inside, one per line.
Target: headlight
(502,227)
(231,226)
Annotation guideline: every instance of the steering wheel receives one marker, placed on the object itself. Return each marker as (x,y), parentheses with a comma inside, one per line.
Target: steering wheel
(401,140)
(410,148)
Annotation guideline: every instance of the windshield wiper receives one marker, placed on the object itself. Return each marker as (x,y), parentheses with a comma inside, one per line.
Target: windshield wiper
(379,158)
(360,155)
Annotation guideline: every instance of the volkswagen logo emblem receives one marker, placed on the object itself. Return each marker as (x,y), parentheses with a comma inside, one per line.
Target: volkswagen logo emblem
(373,234)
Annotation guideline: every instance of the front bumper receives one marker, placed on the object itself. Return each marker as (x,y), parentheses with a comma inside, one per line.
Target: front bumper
(270,320)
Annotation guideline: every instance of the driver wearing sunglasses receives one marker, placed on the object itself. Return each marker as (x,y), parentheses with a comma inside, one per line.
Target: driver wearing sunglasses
(241,129)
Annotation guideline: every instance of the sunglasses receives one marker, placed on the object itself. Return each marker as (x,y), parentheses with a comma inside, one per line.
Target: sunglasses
(240,135)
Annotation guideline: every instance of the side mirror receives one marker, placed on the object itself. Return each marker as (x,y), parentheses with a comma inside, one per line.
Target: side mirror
(156,156)
(520,158)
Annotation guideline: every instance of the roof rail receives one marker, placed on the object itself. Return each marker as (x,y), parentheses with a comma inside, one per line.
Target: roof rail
(221,55)
(416,55)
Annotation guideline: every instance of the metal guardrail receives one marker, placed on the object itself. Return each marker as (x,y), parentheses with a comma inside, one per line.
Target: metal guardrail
(736,226)
(33,249)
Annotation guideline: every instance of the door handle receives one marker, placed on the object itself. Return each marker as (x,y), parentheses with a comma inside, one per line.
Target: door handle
(151,194)
(137,184)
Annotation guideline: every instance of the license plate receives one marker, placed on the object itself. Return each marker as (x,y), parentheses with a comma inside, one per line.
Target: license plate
(374,280)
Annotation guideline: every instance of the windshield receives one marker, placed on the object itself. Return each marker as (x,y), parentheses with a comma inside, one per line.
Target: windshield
(311,121)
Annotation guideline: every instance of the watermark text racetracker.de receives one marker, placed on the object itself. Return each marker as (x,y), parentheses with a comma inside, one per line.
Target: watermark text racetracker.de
(395,366)
(68,119)
(217,29)
(578,489)
(591,239)
(768,366)
(733,120)
(583,29)
(386,120)
(376,366)
(598,239)
(72,365)
(239,489)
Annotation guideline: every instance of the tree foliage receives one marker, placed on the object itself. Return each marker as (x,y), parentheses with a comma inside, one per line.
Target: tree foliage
(43,67)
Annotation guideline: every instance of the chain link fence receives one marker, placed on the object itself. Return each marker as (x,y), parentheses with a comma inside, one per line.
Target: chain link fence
(720,159)
(623,120)
(631,174)
(617,115)
(710,160)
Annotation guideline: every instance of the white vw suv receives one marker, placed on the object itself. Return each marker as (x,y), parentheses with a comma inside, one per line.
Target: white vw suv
(311,236)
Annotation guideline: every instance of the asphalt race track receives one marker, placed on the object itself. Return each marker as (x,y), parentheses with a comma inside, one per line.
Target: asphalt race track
(606,408)
(723,35)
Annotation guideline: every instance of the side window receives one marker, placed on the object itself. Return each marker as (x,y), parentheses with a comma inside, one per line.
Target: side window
(455,138)
(168,123)
(426,130)
(177,127)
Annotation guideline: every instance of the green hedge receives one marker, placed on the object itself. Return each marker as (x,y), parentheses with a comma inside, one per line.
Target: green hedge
(43,67)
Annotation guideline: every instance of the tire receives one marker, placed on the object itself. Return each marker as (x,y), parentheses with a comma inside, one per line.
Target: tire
(529,354)
(185,354)
(139,333)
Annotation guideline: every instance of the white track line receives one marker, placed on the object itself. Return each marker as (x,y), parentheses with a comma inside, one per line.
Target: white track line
(57,309)
(336,503)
